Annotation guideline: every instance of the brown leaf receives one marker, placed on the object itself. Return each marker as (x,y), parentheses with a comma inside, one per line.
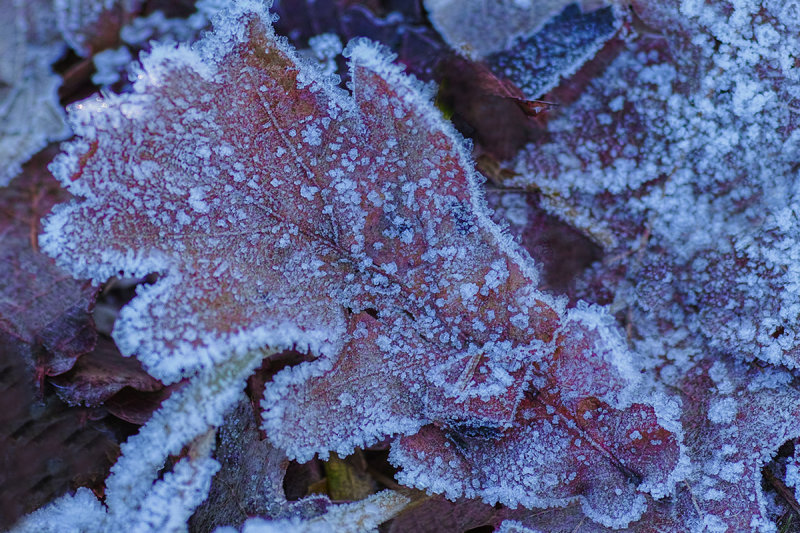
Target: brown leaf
(44,312)
(280,210)
(46,448)
(100,374)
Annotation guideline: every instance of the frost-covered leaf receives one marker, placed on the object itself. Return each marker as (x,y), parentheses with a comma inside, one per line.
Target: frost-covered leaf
(89,26)
(736,417)
(139,496)
(478,28)
(693,125)
(565,440)
(532,45)
(288,212)
(566,432)
(114,66)
(74,513)
(792,478)
(44,313)
(358,517)
(537,64)
(166,508)
(30,115)
(184,416)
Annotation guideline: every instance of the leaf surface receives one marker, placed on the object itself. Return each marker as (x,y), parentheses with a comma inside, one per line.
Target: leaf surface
(736,417)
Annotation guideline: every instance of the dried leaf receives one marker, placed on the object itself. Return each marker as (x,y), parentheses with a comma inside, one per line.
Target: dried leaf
(250,480)
(479,28)
(436,514)
(689,127)
(47,448)
(44,313)
(100,374)
(287,212)
(735,418)
(532,46)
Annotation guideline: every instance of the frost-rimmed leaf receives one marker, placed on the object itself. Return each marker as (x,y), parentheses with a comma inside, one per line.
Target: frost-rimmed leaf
(30,114)
(288,212)
(578,430)
(693,125)
(478,28)
(358,517)
(530,46)
(136,499)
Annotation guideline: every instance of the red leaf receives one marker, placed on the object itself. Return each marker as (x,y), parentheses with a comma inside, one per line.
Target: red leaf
(735,418)
(279,210)
(566,441)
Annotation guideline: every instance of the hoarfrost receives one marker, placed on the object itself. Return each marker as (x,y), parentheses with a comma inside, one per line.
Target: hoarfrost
(479,28)
(136,499)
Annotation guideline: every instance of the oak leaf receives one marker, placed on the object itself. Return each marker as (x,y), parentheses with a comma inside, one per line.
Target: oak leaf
(280,210)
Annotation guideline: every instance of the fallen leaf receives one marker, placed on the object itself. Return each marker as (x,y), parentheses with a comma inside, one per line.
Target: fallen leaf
(100,374)
(30,114)
(287,213)
(44,312)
